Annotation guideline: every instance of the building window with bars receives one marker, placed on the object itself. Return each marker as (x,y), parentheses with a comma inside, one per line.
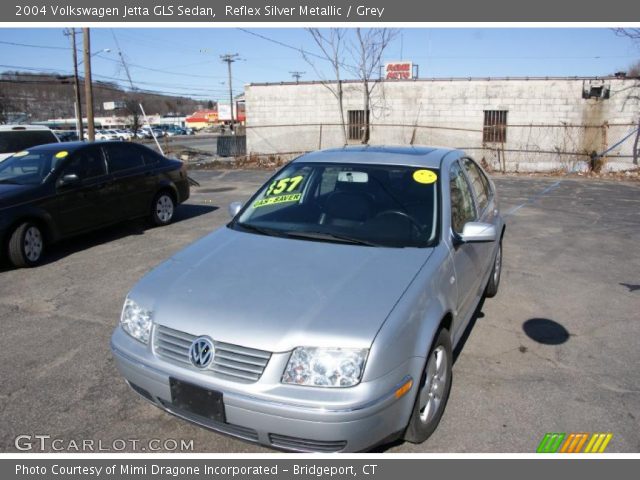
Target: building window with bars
(495,126)
(358,124)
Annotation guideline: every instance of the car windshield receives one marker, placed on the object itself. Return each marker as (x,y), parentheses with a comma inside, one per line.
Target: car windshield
(29,168)
(374,205)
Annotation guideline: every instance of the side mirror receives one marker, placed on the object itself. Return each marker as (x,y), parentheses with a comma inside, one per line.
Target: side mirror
(234,208)
(474,232)
(68,180)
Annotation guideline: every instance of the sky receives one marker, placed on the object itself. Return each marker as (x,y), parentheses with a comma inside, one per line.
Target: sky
(187,61)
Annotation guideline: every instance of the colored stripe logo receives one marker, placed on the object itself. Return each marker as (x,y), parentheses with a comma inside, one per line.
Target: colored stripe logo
(574,443)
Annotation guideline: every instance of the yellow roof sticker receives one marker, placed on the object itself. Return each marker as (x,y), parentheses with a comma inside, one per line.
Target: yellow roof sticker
(62,154)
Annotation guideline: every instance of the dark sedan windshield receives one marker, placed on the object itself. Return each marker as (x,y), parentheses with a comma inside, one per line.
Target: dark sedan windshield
(376,205)
(29,168)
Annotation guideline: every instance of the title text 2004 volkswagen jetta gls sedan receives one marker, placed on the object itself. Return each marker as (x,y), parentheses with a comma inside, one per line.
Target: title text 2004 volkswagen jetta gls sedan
(323,316)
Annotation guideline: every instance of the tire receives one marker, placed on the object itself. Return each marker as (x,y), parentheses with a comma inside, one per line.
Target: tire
(496,272)
(26,245)
(163,209)
(431,398)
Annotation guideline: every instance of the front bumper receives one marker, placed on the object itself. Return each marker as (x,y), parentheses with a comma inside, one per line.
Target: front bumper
(260,412)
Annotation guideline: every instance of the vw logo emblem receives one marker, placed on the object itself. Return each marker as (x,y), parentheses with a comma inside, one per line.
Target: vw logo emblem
(201,352)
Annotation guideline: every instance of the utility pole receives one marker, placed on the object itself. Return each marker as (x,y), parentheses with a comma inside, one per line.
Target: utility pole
(71,32)
(297,75)
(88,88)
(230,58)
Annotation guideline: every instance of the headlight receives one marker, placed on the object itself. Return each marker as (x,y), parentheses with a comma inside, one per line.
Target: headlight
(136,321)
(325,367)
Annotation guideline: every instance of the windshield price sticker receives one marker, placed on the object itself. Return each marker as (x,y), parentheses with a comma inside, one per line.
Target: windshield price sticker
(24,153)
(425,177)
(289,184)
(294,197)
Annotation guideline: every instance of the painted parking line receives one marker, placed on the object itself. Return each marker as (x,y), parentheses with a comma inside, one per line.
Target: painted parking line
(534,198)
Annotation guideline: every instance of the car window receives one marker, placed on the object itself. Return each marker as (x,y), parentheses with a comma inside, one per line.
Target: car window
(478,182)
(122,157)
(18,140)
(86,164)
(462,209)
(149,156)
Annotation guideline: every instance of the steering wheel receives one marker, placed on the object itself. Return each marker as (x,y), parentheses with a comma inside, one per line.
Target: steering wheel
(413,221)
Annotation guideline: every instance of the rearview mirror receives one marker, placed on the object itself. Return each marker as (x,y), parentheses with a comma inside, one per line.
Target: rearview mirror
(68,180)
(234,208)
(478,232)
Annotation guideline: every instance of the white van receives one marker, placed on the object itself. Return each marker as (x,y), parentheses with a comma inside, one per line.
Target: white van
(15,138)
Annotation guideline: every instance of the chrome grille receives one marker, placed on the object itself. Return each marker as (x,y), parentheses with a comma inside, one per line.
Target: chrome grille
(231,361)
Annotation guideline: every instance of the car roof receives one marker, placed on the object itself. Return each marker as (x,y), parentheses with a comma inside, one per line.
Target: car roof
(71,146)
(22,128)
(415,156)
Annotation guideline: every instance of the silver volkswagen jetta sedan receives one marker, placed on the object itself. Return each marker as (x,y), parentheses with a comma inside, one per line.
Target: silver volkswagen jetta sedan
(323,316)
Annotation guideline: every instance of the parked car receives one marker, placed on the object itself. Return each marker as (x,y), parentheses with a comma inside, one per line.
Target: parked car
(15,138)
(57,191)
(124,134)
(143,134)
(323,316)
(106,135)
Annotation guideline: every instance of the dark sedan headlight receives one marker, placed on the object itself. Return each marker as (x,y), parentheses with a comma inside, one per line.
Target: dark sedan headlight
(325,367)
(136,321)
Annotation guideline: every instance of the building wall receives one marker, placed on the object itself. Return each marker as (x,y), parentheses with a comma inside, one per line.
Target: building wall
(547,118)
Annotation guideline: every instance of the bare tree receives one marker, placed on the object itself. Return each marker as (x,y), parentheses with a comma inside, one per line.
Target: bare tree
(632,33)
(332,46)
(4,107)
(134,113)
(366,51)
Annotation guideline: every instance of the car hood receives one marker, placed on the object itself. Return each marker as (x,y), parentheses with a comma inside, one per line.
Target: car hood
(274,293)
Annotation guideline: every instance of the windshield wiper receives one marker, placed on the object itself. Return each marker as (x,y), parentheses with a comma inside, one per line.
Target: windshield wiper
(261,230)
(331,237)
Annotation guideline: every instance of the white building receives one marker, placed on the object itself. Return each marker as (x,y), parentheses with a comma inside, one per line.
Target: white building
(522,124)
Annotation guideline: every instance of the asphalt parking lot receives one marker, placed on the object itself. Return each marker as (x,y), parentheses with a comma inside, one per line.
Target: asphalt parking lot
(555,351)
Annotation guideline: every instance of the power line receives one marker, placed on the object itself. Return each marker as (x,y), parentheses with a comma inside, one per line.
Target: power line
(291,47)
(124,64)
(143,67)
(102,86)
(48,47)
(105,77)
(282,44)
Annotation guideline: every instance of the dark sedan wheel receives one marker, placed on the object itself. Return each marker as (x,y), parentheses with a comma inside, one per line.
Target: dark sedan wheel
(494,280)
(433,390)
(162,209)
(26,245)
